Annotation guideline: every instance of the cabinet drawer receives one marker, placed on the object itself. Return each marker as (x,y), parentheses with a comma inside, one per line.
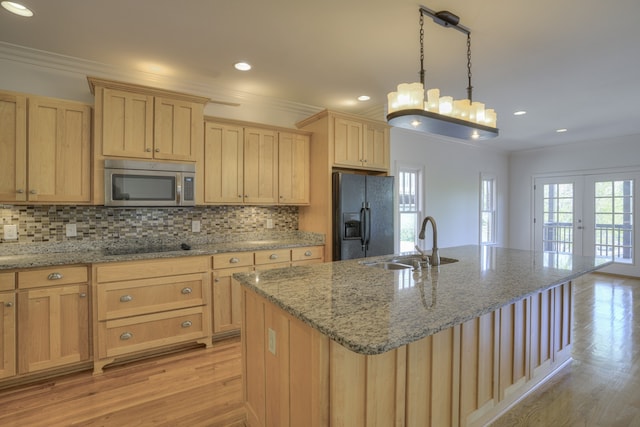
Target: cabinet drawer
(313,252)
(122,336)
(7,281)
(52,277)
(151,268)
(226,272)
(273,257)
(232,259)
(131,298)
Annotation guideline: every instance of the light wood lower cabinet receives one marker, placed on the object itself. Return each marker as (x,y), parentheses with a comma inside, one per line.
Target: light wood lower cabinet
(53,318)
(144,306)
(7,325)
(462,376)
(227,316)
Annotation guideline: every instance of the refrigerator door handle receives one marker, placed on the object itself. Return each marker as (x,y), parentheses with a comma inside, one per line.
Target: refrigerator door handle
(363,226)
(368,225)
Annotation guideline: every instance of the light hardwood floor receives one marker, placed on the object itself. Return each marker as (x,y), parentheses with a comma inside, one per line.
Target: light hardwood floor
(600,387)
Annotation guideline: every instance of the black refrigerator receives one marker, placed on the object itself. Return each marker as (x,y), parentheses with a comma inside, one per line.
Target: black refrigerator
(363,215)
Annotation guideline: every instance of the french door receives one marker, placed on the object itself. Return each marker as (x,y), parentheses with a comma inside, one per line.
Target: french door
(590,215)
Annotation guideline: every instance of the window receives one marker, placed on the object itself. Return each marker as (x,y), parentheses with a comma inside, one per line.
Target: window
(409,206)
(614,220)
(487,209)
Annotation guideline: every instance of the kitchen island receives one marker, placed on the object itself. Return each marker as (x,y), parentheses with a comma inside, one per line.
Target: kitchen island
(345,343)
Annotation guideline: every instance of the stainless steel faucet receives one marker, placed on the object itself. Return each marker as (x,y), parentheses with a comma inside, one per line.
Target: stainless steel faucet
(435,253)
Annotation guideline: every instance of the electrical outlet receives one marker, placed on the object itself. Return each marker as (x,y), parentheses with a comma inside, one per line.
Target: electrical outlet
(71,230)
(195,226)
(10,232)
(269,223)
(272,341)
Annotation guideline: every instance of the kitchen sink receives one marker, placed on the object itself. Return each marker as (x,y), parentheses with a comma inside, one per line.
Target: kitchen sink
(388,265)
(412,259)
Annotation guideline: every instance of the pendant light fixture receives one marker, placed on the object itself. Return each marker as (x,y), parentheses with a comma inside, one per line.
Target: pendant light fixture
(442,115)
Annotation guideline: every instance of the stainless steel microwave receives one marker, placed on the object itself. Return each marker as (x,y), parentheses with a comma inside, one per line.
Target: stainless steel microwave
(136,183)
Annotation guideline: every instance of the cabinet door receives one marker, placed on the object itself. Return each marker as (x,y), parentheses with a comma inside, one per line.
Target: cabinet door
(542,322)
(260,166)
(127,124)
(59,151)
(227,300)
(348,141)
(514,348)
(293,169)
(13,148)
(8,338)
(53,328)
(562,318)
(177,129)
(376,147)
(223,163)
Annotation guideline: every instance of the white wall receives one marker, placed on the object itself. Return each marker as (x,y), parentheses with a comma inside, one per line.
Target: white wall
(623,152)
(452,183)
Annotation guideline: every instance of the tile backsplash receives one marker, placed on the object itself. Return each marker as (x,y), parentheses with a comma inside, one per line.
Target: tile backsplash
(37,224)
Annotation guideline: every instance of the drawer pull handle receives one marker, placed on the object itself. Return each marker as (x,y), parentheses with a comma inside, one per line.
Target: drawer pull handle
(126,298)
(55,276)
(83,295)
(187,323)
(126,336)
(234,260)
(273,256)
(307,253)
(186,291)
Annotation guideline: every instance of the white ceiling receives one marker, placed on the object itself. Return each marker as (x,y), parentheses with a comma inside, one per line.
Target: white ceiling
(570,64)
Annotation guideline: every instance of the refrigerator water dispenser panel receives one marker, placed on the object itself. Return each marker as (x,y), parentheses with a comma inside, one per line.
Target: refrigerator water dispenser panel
(352,229)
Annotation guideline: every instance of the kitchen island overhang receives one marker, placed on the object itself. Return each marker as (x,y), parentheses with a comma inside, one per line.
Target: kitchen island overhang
(500,316)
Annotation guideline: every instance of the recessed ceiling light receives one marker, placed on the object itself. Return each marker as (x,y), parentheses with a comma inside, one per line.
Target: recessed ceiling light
(520,113)
(561,130)
(17,8)
(364,98)
(242,66)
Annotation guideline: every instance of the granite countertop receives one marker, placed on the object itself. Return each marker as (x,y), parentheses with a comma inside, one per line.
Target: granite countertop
(44,255)
(370,310)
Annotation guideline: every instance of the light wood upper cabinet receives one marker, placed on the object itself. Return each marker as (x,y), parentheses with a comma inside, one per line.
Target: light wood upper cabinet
(13,146)
(360,144)
(253,165)
(293,168)
(260,166)
(177,129)
(59,151)
(127,124)
(223,163)
(146,123)
(49,159)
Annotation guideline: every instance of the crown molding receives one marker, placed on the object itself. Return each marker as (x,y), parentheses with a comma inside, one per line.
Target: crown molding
(83,68)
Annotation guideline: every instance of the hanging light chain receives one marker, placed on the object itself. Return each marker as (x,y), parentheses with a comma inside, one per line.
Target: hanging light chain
(422,48)
(470,87)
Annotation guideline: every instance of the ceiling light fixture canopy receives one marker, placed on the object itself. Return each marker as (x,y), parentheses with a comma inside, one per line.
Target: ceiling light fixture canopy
(464,119)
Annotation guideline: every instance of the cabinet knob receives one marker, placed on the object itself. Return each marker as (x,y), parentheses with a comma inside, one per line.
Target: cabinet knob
(33,192)
(9,304)
(83,295)
(273,256)
(157,150)
(126,336)
(234,260)
(126,298)
(54,276)
(148,150)
(240,196)
(187,323)
(307,253)
(186,291)
(20,191)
